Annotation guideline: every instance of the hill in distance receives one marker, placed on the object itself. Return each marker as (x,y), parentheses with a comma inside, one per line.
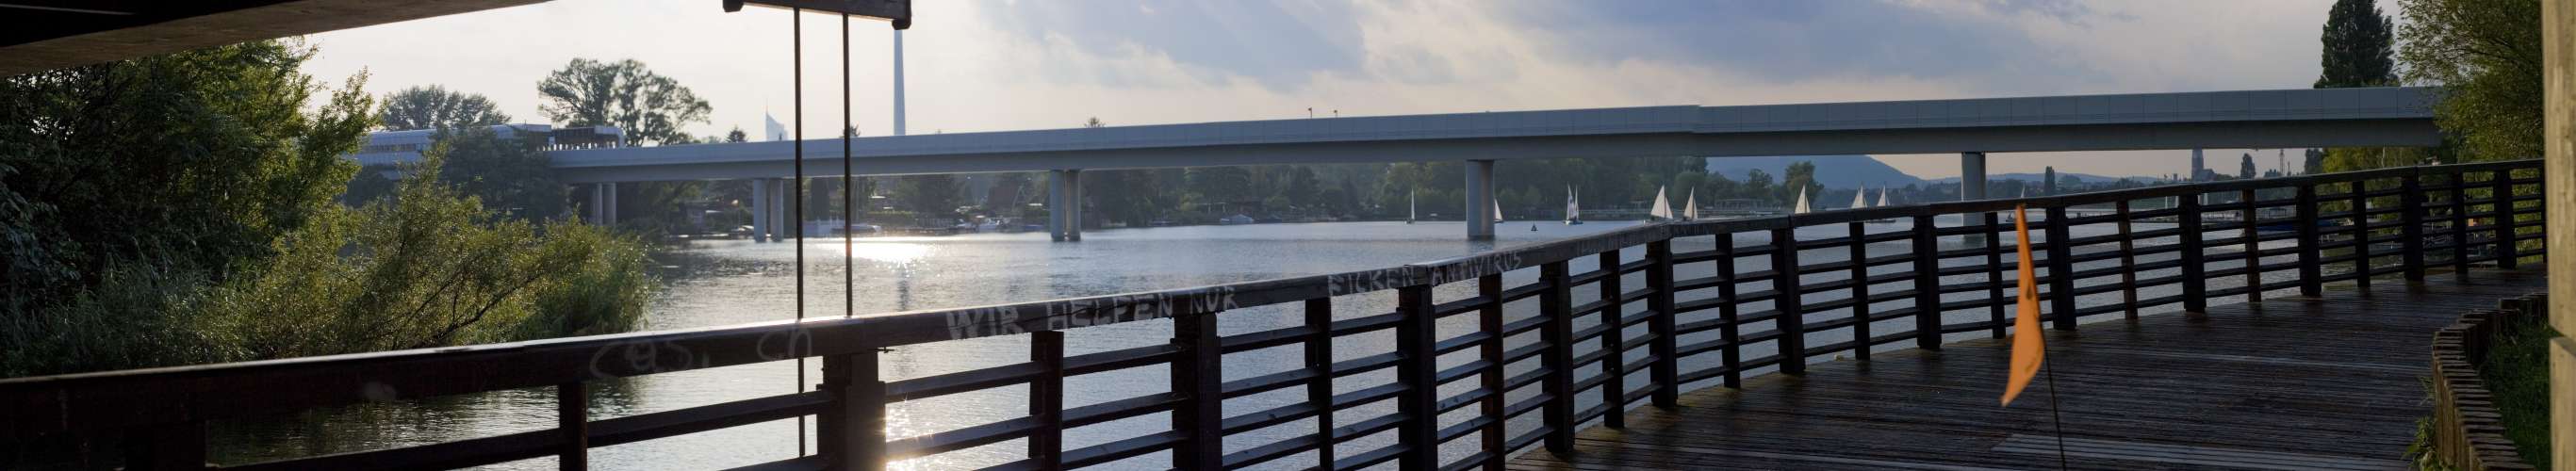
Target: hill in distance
(2087,177)
(1835,171)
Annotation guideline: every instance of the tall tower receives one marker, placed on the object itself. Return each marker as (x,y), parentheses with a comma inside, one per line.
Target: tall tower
(2196,169)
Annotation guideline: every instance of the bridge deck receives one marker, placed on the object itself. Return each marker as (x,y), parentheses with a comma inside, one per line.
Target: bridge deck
(2296,383)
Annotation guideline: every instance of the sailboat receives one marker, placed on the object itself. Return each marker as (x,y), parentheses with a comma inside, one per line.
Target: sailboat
(1410,209)
(1860,198)
(1690,206)
(1498,211)
(1801,208)
(1882,203)
(1663,209)
(1573,208)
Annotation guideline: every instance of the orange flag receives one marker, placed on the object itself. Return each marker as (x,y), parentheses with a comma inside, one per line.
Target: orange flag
(2027,352)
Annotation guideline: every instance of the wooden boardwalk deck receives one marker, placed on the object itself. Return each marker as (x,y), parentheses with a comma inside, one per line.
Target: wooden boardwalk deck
(2288,383)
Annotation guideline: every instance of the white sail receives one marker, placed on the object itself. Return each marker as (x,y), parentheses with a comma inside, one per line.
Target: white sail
(1690,206)
(1573,206)
(1410,209)
(1882,198)
(1801,208)
(1860,197)
(1663,208)
(1498,210)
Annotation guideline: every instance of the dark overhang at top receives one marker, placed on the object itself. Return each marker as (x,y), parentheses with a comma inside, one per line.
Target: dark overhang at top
(897,11)
(40,35)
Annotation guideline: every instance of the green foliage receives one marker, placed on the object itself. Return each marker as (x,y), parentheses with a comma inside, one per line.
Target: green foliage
(509,174)
(434,107)
(2488,54)
(428,267)
(179,209)
(928,194)
(184,162)
(2356,52)
(651,108)
(2516,372)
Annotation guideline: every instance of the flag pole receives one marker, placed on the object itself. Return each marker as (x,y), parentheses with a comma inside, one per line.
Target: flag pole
(2053,420)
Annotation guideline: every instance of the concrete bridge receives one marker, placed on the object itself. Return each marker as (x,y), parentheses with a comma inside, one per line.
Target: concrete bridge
(2394,116)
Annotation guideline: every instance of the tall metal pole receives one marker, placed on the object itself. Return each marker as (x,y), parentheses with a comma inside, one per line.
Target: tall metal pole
(849,204)
(898,82)
(796,192)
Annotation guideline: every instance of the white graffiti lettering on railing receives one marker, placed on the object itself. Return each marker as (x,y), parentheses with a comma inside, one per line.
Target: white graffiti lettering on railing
(795,343)
(643,357)
(1006,320)
(1493,264)
(1366,281)
(983,322)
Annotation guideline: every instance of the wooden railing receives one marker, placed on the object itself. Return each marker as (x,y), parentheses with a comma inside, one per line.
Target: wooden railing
(1594,326)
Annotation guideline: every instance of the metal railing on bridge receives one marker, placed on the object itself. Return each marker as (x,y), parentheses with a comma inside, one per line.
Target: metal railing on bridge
(1481,367)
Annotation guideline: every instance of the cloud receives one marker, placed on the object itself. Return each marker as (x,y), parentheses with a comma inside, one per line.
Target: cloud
(1279,44)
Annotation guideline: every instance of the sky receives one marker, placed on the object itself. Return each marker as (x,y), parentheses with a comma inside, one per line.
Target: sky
(991,65)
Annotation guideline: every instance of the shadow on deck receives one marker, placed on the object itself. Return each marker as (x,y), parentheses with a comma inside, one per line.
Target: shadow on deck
(2287,383)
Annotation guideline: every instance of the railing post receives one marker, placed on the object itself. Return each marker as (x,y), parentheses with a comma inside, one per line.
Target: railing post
(2410,211)
(1489,318)
(1556,302)
(1197,375)
(1729,325)
(2360,194)
(2195,286)
(1793,323)
(1860,292)
(1319,390)
(858,401)
(1046,399)
(2253,250)
(1927,284)
(1418,371)
(2311,276)
(1994,242)
(2459,224)
(1667,368)
(2505,246)
(572,418)
(1614,327)
(2061,271)
(2128,261)
(174,446)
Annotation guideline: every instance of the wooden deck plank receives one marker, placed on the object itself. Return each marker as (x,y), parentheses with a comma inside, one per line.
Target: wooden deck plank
(2287,383)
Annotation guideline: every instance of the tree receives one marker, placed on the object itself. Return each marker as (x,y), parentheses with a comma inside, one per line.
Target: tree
(434,107)
(1094,122)
(508,174)
(1800,175)
(1223,185)
(172,164)
(932,195)
(651,108)
(2245,167)
(2488,54)
(736,135)
(2356,52)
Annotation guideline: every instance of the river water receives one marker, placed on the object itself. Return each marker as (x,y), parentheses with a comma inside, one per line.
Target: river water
(711,283)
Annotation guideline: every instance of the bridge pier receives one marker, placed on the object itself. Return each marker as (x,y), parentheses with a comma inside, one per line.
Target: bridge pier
(610,205)
(782,224)
(760,210)
(1480,200)
(1064,205)
(1972,186)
